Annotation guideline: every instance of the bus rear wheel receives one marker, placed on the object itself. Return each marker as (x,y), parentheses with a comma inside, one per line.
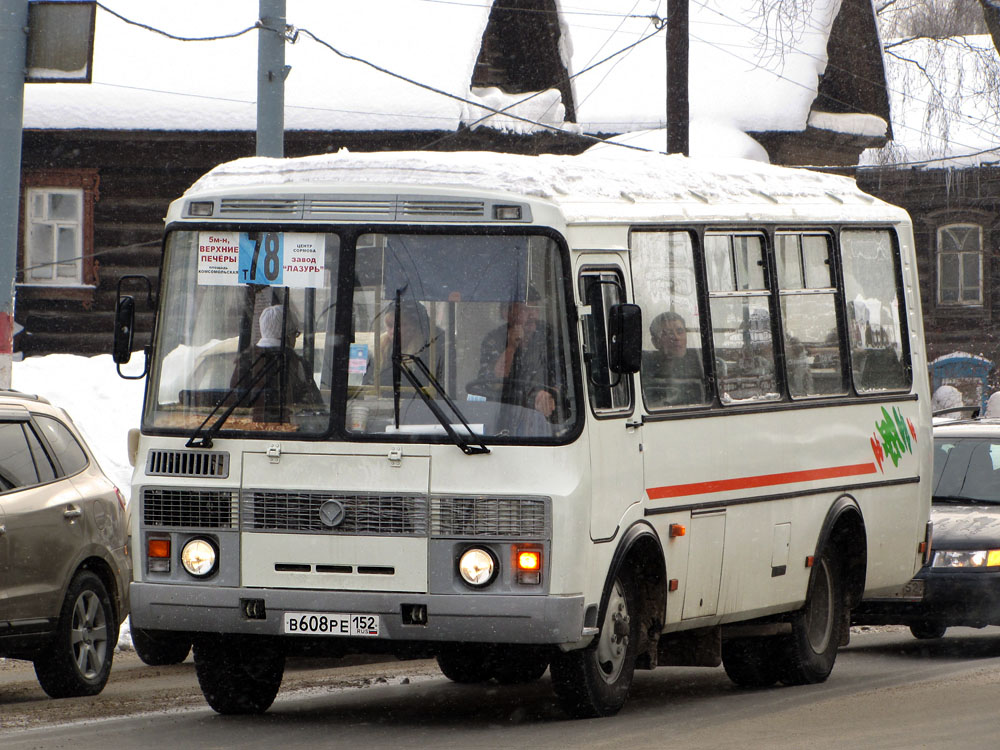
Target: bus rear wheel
(811,649)
(594,681)
(238,674)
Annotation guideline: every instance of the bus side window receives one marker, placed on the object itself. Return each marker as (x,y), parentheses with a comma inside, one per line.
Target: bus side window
(608,391)
(879,353)
(739,303)
(812,338)
(663,278)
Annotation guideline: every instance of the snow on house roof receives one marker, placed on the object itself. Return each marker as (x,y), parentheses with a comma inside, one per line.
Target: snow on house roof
(611,185)
(945,101)
(740,77)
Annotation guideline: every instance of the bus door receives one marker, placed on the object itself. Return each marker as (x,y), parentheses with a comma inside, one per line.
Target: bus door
(615,439)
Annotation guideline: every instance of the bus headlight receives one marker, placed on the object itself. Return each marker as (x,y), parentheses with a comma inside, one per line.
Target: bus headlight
(477,566)
(198,556)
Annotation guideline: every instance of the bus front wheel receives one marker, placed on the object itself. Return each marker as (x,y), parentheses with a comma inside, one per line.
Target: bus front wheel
(594,681)
(811,649)
(238,674)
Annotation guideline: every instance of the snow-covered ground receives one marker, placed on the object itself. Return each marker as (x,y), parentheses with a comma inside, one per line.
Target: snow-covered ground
(103,406)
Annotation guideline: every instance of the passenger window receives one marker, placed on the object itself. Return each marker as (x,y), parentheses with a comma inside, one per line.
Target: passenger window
(876,331)
(609,391)
(43,463)
(739,303)
(663,278)
(67,451)
(17,468)
(813,365)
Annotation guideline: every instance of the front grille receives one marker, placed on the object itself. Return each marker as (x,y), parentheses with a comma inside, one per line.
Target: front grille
(384,515)
(174,508)
(171,463)
(491,516)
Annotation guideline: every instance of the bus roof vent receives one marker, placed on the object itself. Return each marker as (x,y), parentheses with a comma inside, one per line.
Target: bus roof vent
(264,207)
(171,463)
(362,207)
(439,209)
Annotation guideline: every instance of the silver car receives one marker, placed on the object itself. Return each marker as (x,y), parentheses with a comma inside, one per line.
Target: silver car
(64,565)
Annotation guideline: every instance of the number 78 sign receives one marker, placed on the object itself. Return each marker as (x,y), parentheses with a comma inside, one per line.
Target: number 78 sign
(290,259)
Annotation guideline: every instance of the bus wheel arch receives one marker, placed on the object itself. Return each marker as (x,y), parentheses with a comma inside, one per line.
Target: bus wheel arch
(595,680)
(844,529)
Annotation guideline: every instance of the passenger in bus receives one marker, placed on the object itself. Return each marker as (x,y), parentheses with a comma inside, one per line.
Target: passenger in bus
(514,361)
(671,373)
(418,338)
(278,377)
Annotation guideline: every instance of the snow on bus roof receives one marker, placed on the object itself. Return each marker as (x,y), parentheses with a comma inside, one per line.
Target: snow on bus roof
(622,177)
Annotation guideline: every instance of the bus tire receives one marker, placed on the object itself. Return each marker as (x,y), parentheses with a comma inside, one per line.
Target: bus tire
(811,649)
(752,662)
(594,681)
(78,661)
(517,666)
(466,664)
(158,648)
(237,674)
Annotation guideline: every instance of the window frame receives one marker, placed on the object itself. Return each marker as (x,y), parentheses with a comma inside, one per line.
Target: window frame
(940,252)
(87,182)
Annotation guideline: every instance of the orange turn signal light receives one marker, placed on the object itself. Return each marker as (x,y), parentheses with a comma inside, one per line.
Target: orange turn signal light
(678,529)
(159,548)
(529,560)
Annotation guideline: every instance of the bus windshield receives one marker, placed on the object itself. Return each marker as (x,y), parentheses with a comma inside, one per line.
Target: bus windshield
(372,335)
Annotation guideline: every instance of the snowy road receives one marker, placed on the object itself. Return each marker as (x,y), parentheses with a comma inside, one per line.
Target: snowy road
(887,691)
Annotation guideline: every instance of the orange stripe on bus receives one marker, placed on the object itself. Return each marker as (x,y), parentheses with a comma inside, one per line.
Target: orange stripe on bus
(762,480)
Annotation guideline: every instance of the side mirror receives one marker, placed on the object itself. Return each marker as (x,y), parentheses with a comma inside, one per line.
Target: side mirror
(121,351)
(624,338)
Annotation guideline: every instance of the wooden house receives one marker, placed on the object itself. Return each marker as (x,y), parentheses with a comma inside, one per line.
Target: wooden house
(101,162)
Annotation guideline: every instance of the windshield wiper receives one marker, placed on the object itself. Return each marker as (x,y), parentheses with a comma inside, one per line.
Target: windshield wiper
(401,364)
(202,438)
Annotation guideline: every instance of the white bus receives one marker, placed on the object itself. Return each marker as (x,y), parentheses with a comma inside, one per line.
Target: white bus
(586,413)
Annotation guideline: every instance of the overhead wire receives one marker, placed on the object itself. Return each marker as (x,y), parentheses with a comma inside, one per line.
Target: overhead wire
(290,32)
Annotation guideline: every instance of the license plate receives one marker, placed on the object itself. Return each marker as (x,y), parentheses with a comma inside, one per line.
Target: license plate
(331,623)
(913,590)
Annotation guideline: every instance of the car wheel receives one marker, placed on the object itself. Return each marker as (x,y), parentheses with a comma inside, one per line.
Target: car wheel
(811,649)
(158,648)
(752,662)
(594,681)
(467,664)
(79,659)
(926,631)
(238,674)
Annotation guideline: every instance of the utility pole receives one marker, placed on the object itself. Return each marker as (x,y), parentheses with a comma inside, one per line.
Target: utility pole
(13,52)
(271,73)
(678,112)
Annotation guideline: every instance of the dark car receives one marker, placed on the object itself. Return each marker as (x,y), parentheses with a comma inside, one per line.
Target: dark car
(961,584)
(64,564)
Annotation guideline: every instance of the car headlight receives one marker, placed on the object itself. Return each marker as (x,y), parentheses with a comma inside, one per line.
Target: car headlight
(983,558)
(198,556)
(477,566)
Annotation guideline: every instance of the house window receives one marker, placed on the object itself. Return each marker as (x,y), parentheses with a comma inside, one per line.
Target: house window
(53,245)
(960,264)
(57,228)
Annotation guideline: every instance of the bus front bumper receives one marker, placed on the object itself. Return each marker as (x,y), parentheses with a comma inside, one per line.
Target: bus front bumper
(467,617)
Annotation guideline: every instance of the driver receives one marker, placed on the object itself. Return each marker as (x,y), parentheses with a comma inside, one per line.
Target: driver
(672,374)
(516,355)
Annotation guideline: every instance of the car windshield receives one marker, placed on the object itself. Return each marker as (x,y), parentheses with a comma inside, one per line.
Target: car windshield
(967,469)
(374,335)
